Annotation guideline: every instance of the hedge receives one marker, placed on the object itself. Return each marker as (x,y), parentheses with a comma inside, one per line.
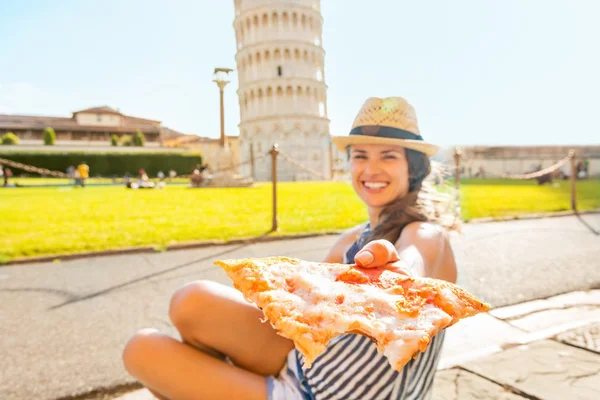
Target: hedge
(108,164)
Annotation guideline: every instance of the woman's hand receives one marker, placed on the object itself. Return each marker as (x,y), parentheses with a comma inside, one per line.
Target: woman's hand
(381,254)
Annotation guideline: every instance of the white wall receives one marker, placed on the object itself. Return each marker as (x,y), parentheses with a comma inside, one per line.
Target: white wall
(98,119)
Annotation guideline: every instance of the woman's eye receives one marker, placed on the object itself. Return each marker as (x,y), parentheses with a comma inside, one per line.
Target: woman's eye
(357,157)
(390,157)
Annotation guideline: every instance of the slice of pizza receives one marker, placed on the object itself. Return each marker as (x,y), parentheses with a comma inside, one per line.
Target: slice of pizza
(311,303)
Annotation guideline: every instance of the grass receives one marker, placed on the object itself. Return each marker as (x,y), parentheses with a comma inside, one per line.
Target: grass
(32,182)
(54,220)
(503,197)
(39,221)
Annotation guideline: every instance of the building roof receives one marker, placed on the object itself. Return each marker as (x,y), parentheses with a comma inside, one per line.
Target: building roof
(98,110)
(30,122)
(189,139)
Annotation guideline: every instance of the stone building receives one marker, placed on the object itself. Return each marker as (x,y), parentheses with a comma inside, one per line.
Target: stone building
(498,160)
(89,127)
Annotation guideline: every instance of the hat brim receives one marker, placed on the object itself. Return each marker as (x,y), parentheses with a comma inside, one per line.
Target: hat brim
(342,142)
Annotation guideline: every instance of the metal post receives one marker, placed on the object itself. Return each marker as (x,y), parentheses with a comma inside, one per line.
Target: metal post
(572,158)
(223,140)
(274,152)
(457,154)
(331,163)
(252,161)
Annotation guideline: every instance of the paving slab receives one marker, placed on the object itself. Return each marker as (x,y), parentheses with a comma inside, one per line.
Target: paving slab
(547,370)
(547,319)
(475,336)
(560,301)
(457,384)
(587,337)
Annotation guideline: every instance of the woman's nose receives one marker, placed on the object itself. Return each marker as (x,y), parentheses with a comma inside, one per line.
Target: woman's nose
(372,167)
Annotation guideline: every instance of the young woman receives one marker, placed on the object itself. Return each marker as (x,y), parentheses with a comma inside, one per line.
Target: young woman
(227,353)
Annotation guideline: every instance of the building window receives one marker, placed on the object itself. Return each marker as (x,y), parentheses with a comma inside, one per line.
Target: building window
(322,109)
(99,117)
(279,71)
(319,75)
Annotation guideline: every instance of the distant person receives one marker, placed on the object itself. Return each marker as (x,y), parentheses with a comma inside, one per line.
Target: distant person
(172,174)
(71,173)
(7,175)
(1,171)
(84,173)
(196,179)
(161,176)
(127,180)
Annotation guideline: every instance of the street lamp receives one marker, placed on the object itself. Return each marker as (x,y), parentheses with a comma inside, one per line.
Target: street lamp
(220,77)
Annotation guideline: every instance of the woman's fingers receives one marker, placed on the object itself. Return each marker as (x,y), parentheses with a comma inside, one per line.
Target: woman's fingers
(377,253)
(400,268)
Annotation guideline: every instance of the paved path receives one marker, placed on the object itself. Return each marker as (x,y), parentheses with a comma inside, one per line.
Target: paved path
(64,324)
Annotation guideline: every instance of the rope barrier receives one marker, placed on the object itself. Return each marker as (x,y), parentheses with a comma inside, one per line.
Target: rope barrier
(537,174)
(31,168)
(530,175)
(302,167)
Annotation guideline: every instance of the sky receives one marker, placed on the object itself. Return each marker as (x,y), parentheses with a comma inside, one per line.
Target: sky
(510,72)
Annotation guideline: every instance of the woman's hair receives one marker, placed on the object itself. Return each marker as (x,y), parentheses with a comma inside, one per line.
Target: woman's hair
(423,202)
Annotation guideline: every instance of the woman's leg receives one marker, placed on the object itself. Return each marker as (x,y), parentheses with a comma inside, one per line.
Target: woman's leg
(218,320)
(177,371)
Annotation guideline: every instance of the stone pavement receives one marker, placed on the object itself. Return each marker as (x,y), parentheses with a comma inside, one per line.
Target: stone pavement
(547,349)
(63,325)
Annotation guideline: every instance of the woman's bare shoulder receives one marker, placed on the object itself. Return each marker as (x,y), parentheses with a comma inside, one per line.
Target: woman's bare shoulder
(336,254)
(419,230)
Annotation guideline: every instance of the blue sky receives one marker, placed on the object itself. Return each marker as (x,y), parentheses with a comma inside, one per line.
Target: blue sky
(478,72)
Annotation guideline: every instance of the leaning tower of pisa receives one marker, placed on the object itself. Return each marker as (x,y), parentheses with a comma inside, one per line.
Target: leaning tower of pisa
(282,91)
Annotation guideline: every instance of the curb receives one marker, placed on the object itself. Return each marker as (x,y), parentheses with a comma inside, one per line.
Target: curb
(157,249)
(532,216)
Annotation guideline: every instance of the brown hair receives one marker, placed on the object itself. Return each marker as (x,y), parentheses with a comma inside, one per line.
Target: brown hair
(422,203)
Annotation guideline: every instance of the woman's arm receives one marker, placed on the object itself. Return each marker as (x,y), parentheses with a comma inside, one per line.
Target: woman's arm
(423,249)
(336,254)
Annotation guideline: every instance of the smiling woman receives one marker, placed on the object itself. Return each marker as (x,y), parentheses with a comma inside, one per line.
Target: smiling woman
(227,351)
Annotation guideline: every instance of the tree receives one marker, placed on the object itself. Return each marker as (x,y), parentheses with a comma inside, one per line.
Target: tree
(126,140)
(114,140)
(49,136)
(10,138)
(139,139)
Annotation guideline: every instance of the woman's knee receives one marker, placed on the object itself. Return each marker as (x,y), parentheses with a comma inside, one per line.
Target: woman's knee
(139,349)
(190,302)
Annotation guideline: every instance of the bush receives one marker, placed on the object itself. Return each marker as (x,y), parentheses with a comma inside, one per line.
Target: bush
(9,138)
(109,164)
(49,136)
(139,139)
(114,140)
(126,140)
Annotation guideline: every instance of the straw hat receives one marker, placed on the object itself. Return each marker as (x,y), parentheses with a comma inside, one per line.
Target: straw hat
(386,121)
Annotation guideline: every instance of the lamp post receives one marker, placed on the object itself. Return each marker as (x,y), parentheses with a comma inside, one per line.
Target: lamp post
(220,77)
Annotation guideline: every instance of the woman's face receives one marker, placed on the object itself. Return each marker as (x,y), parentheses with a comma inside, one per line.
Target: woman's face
(379,173)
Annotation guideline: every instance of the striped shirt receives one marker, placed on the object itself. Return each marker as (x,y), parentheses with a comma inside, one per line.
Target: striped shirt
(352,368)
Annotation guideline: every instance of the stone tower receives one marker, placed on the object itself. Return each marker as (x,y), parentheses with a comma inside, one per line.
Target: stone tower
(282,91)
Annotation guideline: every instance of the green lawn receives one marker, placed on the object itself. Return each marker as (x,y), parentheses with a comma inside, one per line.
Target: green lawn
(53,220)
(500,197)
(27,182)
(38,221)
